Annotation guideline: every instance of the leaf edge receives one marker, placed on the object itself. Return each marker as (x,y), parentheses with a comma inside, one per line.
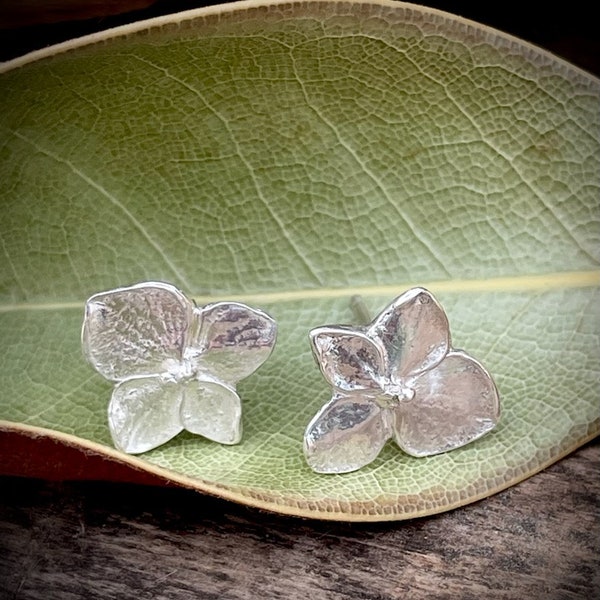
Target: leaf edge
(362,512)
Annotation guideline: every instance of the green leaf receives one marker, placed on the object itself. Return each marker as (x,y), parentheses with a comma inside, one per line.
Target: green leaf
(292,155)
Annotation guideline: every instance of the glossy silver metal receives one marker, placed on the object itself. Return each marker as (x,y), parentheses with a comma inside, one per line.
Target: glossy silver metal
(175,365)
(397,377)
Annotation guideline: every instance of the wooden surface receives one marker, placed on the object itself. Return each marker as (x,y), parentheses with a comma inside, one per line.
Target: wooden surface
(538,540)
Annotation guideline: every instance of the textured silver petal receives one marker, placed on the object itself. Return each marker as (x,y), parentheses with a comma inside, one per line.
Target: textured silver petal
(143,413)
(212,410)
(345,435)
(454,404)
(348,358)
(137,330)
(233,340)
(415,332)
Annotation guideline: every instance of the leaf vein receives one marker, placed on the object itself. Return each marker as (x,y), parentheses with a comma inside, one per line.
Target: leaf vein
(418,235)
(519,283)
(508,159)
(180,277)
(15,272)
(311,269)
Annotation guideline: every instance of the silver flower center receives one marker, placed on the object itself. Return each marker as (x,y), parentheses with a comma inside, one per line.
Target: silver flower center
(392,394)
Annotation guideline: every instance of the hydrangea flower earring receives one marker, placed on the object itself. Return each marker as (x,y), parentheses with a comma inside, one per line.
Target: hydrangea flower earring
(175,365)
(398,378)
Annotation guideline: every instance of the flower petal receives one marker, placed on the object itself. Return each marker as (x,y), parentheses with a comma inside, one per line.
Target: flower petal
(143,413)
(454,404)
(348,358)
(345,435)
(414,330)
(136,331)
(212,410)
(233,340)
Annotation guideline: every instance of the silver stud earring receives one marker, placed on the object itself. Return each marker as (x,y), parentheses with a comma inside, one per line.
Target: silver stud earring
(175,365)
(398,378)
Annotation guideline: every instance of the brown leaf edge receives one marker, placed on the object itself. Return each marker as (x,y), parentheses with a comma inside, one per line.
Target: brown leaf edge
(41,453)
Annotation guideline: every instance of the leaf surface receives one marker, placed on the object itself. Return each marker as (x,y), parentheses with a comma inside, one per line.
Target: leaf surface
(291,155)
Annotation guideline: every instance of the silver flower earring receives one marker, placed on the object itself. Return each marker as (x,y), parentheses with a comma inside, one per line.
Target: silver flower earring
(175,365)
(398,378)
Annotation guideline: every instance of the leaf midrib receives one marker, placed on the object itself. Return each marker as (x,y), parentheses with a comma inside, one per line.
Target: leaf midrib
(544,282)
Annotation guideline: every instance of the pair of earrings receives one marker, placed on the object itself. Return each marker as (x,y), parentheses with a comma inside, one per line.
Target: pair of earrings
(176,367)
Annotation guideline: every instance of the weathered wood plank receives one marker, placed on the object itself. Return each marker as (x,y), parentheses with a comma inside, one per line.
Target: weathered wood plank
(540,539)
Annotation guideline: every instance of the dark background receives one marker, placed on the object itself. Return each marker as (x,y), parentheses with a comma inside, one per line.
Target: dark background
(566,29)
